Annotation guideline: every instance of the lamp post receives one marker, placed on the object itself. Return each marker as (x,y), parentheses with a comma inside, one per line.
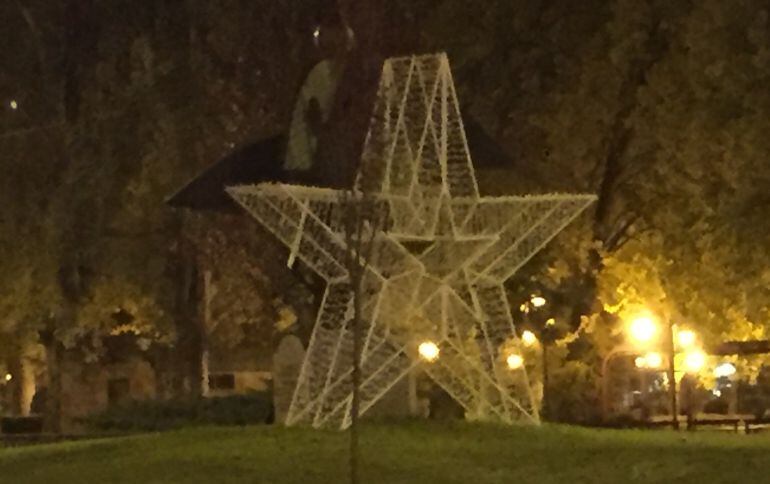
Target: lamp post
(528,337)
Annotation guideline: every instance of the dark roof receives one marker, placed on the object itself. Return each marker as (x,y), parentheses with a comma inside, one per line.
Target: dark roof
(258,162)
(263,161)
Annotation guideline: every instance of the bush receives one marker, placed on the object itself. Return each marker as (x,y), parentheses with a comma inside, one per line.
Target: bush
(21,425)
(156,415)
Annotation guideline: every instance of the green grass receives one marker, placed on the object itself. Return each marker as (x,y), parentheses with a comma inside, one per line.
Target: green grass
(415,452)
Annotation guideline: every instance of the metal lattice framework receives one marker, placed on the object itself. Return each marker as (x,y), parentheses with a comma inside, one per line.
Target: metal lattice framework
(438,261)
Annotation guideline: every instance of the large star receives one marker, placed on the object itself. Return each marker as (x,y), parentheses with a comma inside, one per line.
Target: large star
(438,264)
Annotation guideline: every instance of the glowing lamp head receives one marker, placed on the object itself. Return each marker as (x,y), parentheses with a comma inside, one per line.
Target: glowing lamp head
(514,361)
(694,361)
(14,105)
(8,377)
(643,329)
(724,370)
(653,360)
(685,338)
(537,301)
(428,351)
(640,362)
(529,338)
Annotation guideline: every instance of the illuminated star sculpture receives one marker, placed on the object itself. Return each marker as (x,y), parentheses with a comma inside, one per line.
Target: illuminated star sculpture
(432,288)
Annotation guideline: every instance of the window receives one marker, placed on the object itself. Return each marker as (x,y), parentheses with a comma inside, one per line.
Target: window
(222,381)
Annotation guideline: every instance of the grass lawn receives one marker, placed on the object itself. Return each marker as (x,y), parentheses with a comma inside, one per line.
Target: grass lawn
(414,452)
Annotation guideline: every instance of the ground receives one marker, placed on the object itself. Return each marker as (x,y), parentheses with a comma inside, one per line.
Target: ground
(419,452)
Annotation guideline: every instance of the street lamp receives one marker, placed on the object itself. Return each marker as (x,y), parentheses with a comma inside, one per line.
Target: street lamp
(724,370)
(694,361)
(528,338)
(643,329)
(537,301)
(685,338)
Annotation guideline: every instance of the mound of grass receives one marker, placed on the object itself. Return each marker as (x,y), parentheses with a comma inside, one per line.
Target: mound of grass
(415,452)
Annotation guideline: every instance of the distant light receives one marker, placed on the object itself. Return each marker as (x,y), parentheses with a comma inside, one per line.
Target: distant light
(640,362)
(317,32)
(14,105)
(716,392)
(550,322)
(528,337)
(685,338)
(514,361)
(643,329)
(694,361)
(428,351)
(537,301)
(724,370)
(8,377)
(653,360)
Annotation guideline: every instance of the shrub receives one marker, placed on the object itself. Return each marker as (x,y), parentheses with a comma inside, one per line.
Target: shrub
(156,415)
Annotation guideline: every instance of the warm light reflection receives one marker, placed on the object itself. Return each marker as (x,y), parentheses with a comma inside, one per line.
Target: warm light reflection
(428,350)
(529,338)
(514,361)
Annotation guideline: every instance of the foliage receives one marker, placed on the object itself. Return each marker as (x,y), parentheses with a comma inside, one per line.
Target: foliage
(153,416)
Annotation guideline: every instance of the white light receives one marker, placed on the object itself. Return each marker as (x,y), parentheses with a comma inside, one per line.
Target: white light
(14,105)
(686,338)
(643,329)
(694,361)
(717,393)
(428,350)
(317,32)
(528,337)
(653,360)
(724,370)
(640,362)
(514,361)
(537,301)
(8,377)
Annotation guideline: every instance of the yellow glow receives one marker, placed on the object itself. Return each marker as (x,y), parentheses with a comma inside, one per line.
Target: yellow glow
(8,377)
(528,337)
(643,329)
(725,369)
(694,361)
(14,105)
(685,338)
(653,360)
(428,350)
(640,362)
(537,301)
(550,322)
(514,361)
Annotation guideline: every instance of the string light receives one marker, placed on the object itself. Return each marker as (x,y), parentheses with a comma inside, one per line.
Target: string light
(428,350)
(514,361)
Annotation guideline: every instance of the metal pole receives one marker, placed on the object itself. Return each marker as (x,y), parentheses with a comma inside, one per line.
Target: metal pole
(672,377)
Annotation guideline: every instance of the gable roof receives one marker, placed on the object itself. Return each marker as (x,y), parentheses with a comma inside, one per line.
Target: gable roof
(263,161)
